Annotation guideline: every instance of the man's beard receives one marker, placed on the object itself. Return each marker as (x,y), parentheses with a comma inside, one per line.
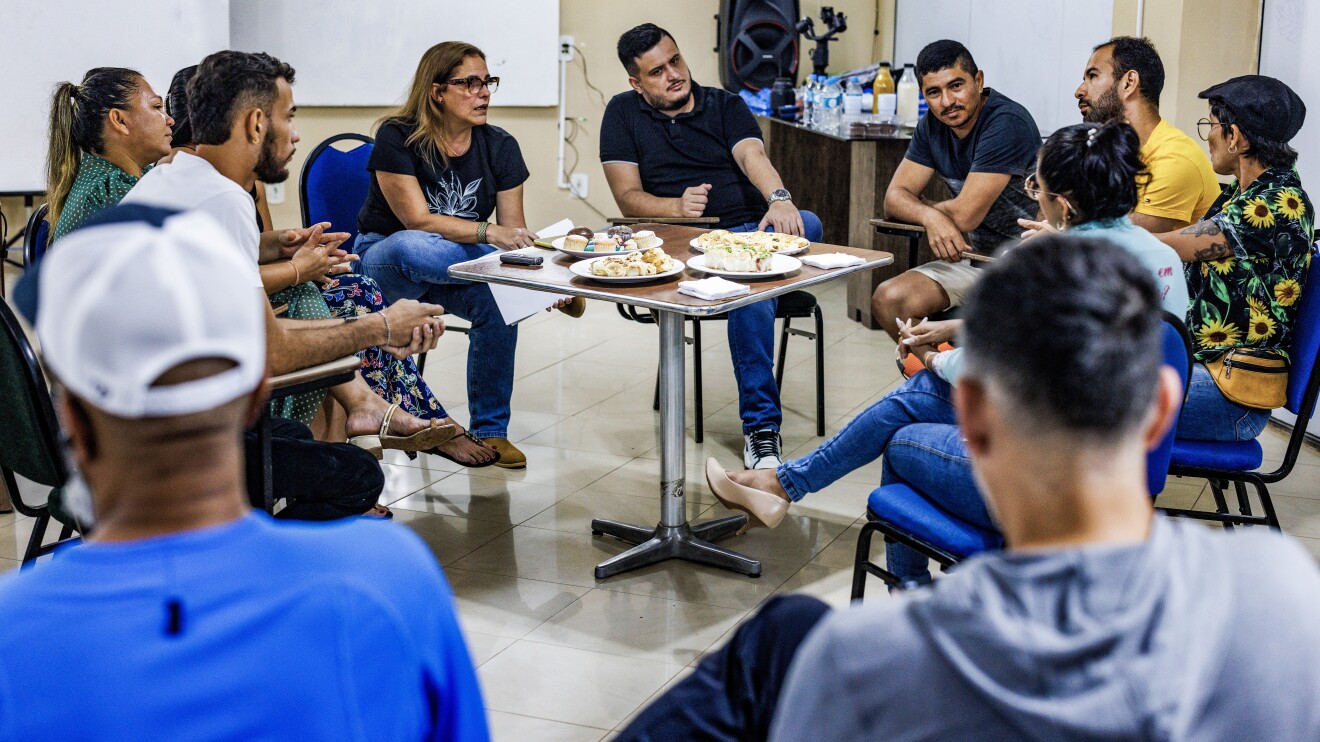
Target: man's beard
(662,105)
(269,169)
(1104,109)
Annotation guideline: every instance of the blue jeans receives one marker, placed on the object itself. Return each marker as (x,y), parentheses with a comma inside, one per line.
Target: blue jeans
(411,264)
(924,398)
(1208,416)
(932,459)
(752,348)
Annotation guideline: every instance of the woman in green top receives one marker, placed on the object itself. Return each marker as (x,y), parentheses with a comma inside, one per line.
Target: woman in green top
(104,133)
(1246,261)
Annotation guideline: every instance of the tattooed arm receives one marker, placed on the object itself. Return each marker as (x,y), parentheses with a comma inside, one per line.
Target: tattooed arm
(1201,241)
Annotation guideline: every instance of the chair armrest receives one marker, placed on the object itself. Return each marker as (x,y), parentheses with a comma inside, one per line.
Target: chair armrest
(319,376)
(617,220)
(898,229)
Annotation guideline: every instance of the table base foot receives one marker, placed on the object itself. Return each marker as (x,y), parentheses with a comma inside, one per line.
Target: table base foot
(674,542)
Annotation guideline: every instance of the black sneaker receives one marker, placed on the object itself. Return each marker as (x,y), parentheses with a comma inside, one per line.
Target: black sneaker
(761,449)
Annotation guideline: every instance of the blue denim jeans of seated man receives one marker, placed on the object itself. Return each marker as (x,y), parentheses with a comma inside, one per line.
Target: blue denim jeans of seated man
(1208,416)
(924,398)
(411,264)
(752,347)
(932,459)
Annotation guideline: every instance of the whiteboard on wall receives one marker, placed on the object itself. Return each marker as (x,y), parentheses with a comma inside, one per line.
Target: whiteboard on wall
(354,53)
(1289,52)
(45,43)
(1033,51)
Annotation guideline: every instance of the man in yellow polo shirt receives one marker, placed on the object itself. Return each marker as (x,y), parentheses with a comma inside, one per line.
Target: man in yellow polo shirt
(1123,80)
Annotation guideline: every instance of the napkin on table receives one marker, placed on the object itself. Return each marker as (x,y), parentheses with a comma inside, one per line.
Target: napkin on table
(713,288)
(832,260)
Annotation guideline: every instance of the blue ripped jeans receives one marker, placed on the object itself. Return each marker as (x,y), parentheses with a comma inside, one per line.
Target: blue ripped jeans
(916,430)
(1208,416)
(411,264)
(752,348)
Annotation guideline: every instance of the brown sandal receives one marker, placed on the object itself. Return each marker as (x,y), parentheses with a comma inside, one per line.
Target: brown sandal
(423,440)
(473,465)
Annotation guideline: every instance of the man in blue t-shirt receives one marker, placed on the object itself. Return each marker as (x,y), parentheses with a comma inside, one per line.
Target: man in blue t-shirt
(983,146)
(672,149)
(186,615)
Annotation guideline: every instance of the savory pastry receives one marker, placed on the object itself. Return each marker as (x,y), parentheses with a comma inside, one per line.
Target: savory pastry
(739,258)
(619,266)
(646,239)
(582,232)
(769,241)
(659,259)
(576,242)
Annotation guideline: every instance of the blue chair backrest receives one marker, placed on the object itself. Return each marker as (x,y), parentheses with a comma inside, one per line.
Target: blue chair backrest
(1176,346)
(335,183)
(1306,339)
(37,236)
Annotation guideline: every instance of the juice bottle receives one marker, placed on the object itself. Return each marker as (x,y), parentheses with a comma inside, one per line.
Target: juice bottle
(884,83)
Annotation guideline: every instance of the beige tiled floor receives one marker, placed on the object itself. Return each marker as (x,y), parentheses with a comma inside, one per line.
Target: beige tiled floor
(563,656)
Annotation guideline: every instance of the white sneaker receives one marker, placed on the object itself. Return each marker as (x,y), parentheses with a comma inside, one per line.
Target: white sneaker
(761,449)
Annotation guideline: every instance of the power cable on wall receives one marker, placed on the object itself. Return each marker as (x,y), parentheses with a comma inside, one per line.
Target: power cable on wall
(572,126)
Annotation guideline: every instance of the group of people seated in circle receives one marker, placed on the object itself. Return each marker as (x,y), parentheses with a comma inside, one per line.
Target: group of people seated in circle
(168,298)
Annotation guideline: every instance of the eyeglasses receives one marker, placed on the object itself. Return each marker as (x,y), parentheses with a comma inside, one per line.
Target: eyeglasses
(1203,128)
(474,83)
(1032,187)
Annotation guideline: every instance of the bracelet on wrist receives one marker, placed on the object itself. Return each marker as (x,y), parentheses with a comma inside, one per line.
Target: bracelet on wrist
(389,335)
(297,274)
(481,231)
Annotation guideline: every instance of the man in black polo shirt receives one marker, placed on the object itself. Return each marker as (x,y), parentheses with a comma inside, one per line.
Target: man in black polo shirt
(983,146)
(672,148)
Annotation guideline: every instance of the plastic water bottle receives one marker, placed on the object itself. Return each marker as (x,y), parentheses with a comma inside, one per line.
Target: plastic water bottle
(852,98)
(832,108)
(908,93)
(809,101)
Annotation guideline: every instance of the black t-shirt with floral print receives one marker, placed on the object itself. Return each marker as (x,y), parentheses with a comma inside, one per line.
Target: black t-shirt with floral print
(1250,299)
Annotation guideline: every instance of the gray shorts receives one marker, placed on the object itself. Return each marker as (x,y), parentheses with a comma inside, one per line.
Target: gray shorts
(955,278)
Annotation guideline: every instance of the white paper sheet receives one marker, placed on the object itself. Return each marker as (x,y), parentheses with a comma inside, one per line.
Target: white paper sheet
(518,304)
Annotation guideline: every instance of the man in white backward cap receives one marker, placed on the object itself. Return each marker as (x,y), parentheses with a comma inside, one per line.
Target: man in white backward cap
(186,614)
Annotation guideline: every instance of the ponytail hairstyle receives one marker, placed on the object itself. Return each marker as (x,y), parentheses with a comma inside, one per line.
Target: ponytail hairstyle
(1096,166)
(420,110)
(176,105)
(77,125)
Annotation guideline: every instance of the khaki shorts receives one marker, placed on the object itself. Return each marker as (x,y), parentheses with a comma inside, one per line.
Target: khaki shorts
(955,278)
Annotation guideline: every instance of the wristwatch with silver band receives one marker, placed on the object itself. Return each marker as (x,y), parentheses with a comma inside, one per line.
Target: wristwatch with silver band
(780,194)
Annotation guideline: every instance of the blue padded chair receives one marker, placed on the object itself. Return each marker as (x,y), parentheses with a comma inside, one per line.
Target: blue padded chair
(36,238)
(906,516)
(335,182)
(1237,462)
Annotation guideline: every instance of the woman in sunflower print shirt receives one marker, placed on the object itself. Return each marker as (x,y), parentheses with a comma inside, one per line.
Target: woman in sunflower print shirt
(1246,261)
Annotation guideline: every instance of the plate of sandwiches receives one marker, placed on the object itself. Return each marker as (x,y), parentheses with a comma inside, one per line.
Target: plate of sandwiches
(783,244)
(630,267)
(744,261)
(583,243)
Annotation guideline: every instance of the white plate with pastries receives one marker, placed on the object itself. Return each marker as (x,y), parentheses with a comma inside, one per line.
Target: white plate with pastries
(587,268)
(592,252)
(780,264)
(782,244)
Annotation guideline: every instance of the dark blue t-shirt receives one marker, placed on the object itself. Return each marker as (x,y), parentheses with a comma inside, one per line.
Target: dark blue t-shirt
(466,189)
(676,153)
(1004,140)
(254,629)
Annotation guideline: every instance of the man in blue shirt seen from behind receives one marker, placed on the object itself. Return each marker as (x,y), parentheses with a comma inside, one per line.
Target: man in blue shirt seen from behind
(185,614)
(675,149)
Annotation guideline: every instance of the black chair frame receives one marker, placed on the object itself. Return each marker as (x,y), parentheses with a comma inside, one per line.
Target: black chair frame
(48,431)
(630,312)
(862,564)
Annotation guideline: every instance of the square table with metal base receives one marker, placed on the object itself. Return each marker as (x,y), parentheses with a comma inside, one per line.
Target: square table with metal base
(673,537)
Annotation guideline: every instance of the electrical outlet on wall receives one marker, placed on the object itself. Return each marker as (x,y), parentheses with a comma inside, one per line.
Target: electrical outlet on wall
(566,48)
(578,185)
(275,193)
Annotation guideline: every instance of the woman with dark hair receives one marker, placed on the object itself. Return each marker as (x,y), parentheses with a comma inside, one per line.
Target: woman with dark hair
(104,134)
(438,172)
(1086,183)
(1246,261)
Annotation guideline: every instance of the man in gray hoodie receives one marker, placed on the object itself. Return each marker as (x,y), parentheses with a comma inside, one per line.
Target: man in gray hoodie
(1101,620)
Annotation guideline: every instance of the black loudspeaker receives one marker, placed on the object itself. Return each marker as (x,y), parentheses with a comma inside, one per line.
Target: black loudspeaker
(756,42)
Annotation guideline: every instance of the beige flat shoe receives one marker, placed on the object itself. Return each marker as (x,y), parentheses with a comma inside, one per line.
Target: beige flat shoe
(764,510)
(510,456)
(422,440)
(575,308)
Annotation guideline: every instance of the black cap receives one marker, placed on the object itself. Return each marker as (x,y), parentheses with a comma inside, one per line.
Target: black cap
(1261,105)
